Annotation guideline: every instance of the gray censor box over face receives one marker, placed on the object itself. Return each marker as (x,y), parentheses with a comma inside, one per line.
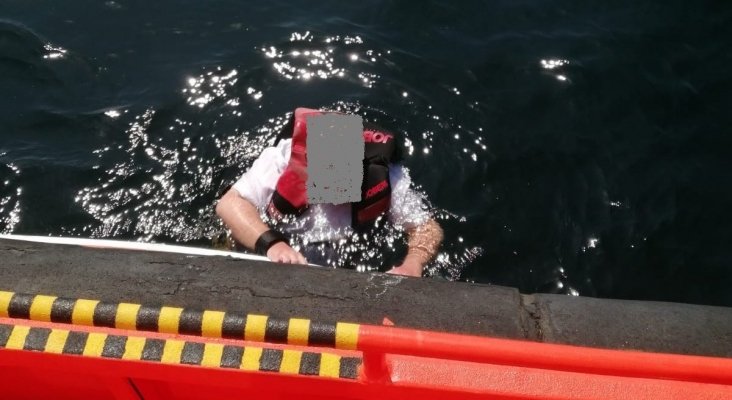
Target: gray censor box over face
(335,158)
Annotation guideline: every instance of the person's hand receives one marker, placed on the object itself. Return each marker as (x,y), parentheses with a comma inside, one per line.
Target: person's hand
(283,253)
(407,268)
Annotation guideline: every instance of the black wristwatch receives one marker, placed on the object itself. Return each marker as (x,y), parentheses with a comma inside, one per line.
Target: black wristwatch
(267,240)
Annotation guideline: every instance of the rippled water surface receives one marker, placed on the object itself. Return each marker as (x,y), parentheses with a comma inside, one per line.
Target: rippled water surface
(565,146)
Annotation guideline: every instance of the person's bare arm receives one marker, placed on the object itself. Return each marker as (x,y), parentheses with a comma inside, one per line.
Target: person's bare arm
(242,217)
(423,243)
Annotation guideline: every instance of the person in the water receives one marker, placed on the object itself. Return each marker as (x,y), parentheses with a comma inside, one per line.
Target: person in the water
(275,184)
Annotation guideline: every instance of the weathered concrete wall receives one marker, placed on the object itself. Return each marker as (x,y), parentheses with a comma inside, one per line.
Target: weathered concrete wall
(336,295)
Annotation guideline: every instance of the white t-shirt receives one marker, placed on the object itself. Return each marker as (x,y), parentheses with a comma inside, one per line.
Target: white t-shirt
(327,222)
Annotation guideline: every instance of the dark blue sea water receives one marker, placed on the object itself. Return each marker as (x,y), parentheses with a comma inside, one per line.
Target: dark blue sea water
(566,146)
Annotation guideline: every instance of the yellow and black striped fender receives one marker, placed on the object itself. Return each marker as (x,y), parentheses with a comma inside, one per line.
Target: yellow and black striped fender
(175,320)
(50,339)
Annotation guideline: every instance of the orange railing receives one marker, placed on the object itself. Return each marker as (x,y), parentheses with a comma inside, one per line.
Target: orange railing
(380,340)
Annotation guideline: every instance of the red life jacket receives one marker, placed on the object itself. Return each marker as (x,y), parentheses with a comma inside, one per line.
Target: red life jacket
(290,196)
